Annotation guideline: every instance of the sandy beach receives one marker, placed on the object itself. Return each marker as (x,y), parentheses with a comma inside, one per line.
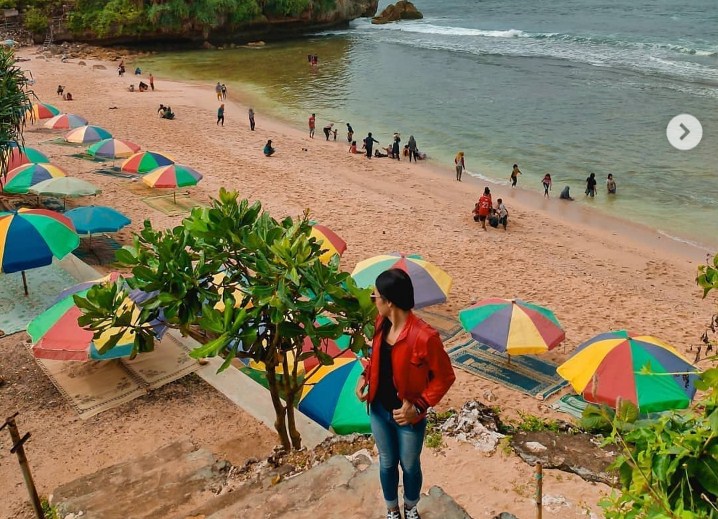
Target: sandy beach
(595,273)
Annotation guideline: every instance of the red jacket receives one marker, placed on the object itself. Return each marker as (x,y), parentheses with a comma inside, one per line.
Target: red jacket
(421,368)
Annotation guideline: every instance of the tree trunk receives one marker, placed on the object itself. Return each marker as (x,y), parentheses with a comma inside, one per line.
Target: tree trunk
(280,410)
(291,389)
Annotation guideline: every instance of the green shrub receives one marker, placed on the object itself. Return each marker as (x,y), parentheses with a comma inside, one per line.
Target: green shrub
(36,21)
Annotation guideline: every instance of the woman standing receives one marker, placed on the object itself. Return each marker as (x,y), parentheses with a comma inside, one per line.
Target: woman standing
(408,372)
(220,114)
(251,118)
(460,165)
(591,185)
(412,148)
(546,184)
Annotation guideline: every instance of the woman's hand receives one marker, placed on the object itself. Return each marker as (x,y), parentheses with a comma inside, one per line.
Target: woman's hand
(361,392)
(406,414)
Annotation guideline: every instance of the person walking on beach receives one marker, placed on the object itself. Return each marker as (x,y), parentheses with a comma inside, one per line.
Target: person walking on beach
(251,118)
(515,175)
(152,82)
(350,133)
(408,372)
(220,114)
(224,92)
(312,125)
(591,185)
(611,184)
(546,184)
(328,130)
(218,90)
(369,144)
(395,151)
(460,165)
(412,148)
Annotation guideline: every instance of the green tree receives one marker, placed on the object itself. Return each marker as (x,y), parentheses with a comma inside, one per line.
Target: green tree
(669,466)
(15,99)
(254,284)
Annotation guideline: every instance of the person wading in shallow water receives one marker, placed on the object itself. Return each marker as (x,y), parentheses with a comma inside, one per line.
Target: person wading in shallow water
(408,372)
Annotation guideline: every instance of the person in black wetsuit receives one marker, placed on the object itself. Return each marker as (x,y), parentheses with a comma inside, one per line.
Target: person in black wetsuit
(369,144)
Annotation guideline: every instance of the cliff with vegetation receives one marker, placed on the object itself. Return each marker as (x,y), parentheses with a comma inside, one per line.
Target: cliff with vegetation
(192,22)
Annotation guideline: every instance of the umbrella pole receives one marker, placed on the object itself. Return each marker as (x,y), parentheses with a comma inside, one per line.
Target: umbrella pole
(509,357)
(539,490)
(174,196)
(24,282)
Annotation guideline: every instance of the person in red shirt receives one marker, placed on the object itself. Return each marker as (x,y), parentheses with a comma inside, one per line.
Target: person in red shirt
(483,207)
(312,125)
(408,372)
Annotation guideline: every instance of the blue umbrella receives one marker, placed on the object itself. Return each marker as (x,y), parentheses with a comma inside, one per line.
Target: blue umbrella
(97,218)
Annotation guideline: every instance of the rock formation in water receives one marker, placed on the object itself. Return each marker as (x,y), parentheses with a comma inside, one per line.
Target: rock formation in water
(402,10)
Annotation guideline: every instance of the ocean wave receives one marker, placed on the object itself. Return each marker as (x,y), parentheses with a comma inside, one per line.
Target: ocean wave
(423,27)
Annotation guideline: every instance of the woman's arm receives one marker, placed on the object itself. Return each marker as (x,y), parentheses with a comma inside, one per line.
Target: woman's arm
(442,374)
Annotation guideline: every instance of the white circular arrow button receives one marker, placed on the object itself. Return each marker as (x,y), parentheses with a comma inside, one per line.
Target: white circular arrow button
(684,132)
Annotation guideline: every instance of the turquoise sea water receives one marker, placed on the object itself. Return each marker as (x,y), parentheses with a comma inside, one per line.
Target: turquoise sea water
(565,87)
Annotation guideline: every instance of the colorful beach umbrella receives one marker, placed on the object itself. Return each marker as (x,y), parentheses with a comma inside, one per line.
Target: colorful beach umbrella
(328,398)
(172,177)
(22,178)
(56,334)
(20,156)
(431,284)
(512,326)
(642,369)
(87,134)
(43,111)
(30,238)
(113,149)
(328,239)
(92,219)
(65,122)
(146,161)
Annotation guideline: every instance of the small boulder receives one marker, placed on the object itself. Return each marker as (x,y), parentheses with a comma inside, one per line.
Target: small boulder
(402,10)
(81,63)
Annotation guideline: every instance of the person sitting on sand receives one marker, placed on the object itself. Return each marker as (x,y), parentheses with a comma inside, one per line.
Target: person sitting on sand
(380,155)
(268,149)
(60,89)
(144,87)
(161,109)
(67,97)
(138,71)
(132,87)
(565,195)
(167,113)
(389,151)
(353,148)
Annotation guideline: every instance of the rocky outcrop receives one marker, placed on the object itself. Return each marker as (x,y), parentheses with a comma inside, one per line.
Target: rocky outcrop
(402,10)
(261,28)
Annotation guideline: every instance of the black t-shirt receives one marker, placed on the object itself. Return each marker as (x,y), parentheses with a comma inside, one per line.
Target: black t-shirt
(386,393)
(591,182)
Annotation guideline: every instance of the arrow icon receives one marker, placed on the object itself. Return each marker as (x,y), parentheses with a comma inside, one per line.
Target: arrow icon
(686,131)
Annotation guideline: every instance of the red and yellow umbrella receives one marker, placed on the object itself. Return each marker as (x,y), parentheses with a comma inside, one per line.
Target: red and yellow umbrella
(65,122)
(332,244)
(43,111)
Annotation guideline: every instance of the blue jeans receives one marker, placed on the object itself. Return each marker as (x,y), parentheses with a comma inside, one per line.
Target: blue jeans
(397,445)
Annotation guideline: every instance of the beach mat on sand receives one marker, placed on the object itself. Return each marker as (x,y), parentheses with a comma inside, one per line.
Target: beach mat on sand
(43,284)
(93,387)
(60,141)
(170,206)
(446,325)
(100,251)
(525,373)
(570,404)
(87,156)
(114,172)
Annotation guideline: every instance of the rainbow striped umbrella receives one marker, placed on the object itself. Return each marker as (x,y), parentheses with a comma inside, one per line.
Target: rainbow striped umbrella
(30,238)
(22,178)
(512,326)
(431,284)
(328,398)
(87,134)
(65,122)
(621,365)
(332,244)
(43,111)
(56,334)
(20,156)
(172,177)
(113,149)
(146,161)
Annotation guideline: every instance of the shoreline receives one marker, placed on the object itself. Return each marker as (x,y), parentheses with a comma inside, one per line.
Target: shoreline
(585,217)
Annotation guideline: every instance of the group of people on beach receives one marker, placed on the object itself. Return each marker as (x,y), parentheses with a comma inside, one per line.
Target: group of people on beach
(591,187)
(484,210)
(67,96)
